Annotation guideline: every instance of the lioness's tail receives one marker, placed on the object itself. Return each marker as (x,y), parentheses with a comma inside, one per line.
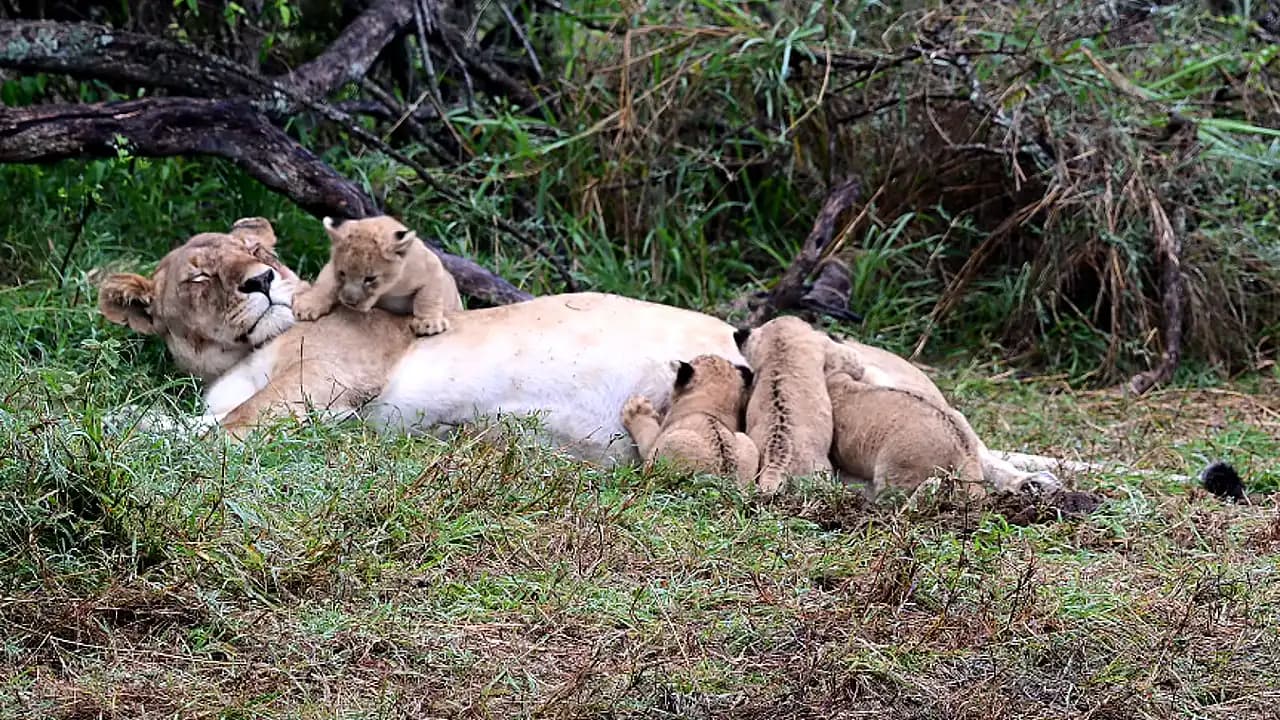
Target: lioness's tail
(1222,480)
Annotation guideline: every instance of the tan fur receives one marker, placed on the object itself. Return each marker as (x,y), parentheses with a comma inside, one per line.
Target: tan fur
(336,366)
(702,430)
(899,438)
(200,302)
(379,262)
(789,413)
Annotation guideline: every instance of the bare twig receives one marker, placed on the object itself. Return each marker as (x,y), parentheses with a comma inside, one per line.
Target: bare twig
(790,289)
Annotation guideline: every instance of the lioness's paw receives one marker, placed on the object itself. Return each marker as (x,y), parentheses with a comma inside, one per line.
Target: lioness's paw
(637,406)
(1041,483)
(429,326)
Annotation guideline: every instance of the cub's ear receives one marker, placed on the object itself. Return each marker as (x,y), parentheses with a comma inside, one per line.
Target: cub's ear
(748,377)
(125,299)
(404,239)
(254,232)
(740,336)
(684,373)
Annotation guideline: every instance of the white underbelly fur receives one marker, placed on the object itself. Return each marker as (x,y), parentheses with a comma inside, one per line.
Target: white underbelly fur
(572,370)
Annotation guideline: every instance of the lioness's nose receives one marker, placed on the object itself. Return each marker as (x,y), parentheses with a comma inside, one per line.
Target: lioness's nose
(260,283)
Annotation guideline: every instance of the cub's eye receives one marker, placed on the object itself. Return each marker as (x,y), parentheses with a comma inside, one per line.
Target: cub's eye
(342,275)
(198,278)
(370,279)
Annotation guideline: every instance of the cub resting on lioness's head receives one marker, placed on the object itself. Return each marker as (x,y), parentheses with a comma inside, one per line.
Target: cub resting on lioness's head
(789,413)
(379,262)
(701,431)
(896,437)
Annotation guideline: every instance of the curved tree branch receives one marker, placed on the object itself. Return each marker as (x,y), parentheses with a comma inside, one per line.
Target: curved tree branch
(790,291)
(161,127)
(351,55)
(93,51)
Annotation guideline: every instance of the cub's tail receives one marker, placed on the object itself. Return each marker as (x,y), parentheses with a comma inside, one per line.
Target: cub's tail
(1221,479)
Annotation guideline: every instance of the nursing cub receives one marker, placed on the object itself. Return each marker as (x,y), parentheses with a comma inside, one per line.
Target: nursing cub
(378,261)
(809,409)
(891,437)
(701,430)
(789,413)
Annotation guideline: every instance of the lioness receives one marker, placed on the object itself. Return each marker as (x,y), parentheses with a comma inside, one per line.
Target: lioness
(701,431)
(221,302)
(379,262)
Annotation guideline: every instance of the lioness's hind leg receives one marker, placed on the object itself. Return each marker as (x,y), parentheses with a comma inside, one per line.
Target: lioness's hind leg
(641,422)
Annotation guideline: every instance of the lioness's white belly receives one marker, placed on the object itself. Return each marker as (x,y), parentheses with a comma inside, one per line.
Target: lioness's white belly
(573,360)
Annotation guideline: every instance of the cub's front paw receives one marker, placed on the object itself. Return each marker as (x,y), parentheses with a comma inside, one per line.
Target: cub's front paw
(308,307)
(429,326)
(637,406)
(843,360)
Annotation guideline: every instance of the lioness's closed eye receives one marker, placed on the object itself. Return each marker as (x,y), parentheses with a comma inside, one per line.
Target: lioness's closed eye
(379,262)
(701,431)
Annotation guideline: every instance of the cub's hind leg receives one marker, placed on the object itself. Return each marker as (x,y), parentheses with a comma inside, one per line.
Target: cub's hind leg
(748,456)
(642,423)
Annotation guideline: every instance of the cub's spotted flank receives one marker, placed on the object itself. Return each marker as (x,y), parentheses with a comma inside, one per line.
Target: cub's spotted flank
(891,437)
(789,413)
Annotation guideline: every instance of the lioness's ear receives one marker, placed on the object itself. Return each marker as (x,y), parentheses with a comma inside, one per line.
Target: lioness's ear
(254,231)
(740,336)
(748,377)
(404,240)
(125,299)
(684,373)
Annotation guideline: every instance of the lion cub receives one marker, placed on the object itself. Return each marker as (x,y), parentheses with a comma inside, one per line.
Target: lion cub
(701,430)
(789,413)
(891,437)
(378,261)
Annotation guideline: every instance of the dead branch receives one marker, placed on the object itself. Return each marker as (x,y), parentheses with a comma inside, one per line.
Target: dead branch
(92,51)
(831,291)
(232,129)
(164,127)
(1168,244)
(351,55)
(791,288)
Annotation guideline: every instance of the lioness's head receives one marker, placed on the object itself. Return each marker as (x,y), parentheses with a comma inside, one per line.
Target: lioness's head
(711,384)
(368,256)
(213,299)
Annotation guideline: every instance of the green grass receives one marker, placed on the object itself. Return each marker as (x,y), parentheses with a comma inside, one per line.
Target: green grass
(331,572)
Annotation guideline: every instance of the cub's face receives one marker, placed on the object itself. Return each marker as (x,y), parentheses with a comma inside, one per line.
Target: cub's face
(213,299)
(368,257)
(712,381)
